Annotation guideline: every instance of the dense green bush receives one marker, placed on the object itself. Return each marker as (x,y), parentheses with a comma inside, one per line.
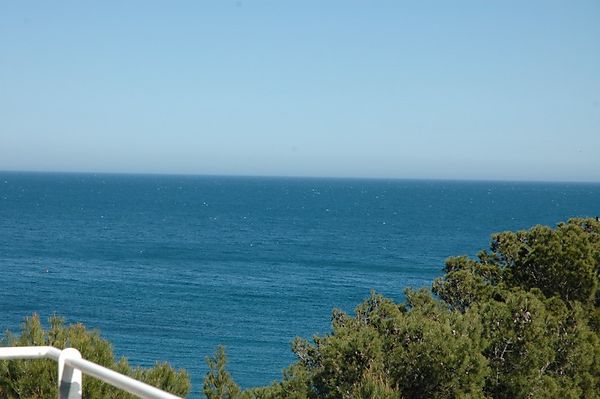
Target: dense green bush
(520,321)
(37,379)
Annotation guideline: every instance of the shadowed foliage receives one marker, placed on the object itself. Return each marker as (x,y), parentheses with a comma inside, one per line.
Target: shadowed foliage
(37,379)
(519,321)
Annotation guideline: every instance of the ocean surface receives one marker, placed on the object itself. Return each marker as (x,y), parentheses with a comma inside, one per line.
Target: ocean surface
(169,267)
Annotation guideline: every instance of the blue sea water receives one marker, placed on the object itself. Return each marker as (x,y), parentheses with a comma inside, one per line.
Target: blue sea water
(169,267)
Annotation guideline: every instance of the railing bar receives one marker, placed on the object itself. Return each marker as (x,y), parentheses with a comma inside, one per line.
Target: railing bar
(53,353)
(29,352)
(119,380)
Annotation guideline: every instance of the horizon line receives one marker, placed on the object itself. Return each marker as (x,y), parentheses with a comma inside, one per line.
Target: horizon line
(312,177)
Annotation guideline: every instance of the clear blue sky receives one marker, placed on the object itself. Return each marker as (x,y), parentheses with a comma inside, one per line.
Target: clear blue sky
(419,89)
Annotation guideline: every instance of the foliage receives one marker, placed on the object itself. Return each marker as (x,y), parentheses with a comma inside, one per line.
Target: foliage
(218,384)
(519,321)
(37,379)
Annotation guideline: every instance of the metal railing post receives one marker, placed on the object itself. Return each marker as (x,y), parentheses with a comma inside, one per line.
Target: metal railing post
(69,378)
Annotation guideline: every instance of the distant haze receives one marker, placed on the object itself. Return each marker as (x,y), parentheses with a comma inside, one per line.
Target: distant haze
(428,89)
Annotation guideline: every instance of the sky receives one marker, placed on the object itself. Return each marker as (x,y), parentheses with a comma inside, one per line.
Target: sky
(506,90)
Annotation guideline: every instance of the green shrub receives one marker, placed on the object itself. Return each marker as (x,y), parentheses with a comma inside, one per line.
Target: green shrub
(37,379)
(520,321)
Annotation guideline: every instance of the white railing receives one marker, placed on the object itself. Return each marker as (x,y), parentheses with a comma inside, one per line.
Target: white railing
(71,366)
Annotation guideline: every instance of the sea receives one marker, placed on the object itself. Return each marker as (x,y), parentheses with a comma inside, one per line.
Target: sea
(169,267)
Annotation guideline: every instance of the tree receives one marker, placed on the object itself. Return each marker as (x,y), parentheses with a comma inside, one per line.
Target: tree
(519,321)
(218,383)
(37,379)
